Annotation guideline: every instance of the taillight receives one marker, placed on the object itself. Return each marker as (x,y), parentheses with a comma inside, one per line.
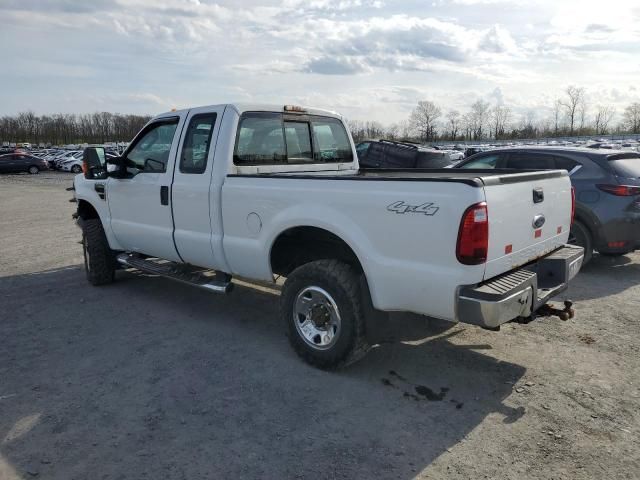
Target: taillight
(573,204)
(473,236)
(85,167)
(620,190)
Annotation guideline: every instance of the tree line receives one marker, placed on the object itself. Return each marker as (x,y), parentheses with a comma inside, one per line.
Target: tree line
(571,115)
(63,129)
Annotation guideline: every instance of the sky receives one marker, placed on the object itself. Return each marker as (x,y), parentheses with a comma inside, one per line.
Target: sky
(367,59)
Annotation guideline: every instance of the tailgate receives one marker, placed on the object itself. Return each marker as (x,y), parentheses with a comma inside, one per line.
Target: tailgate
(529,216)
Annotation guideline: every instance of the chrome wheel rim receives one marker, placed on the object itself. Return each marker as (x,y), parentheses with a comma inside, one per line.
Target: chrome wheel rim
(33,170)
(317,318)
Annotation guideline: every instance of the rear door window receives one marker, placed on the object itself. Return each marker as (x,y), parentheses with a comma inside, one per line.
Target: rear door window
(197,142)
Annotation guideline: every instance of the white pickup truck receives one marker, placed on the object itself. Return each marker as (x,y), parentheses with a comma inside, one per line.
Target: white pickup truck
(258,192)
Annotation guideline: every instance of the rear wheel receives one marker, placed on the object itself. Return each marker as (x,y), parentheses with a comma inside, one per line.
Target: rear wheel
(99,260)
(580,236)
(322,308)
(33,170)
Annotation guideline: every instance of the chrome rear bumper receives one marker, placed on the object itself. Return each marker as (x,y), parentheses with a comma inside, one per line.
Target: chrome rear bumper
(520,292)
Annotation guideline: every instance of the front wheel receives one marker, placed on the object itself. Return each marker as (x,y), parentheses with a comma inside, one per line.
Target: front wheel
(321,305)
(580,236)
(76,169)
(99,260)
(33,170)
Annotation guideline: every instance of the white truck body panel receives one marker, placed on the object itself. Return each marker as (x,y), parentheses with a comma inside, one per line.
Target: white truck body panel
(228,217)
(511,213)
(406,271)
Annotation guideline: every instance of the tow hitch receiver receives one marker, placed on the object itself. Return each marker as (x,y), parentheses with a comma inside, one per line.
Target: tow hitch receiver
(548,310)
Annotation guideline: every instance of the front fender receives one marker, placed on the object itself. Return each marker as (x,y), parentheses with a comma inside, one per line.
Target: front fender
(85,192)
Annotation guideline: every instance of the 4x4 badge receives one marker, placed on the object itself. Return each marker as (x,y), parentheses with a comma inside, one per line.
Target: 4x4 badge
(425,208)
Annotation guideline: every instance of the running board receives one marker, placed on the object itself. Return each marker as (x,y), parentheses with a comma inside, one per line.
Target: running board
(220,283)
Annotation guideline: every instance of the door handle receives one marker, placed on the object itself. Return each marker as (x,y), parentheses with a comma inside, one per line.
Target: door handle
(164,195)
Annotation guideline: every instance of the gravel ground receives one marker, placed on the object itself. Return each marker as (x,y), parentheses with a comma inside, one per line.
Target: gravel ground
(147,378)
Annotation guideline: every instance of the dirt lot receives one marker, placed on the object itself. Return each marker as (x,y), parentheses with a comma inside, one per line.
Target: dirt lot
(147,378)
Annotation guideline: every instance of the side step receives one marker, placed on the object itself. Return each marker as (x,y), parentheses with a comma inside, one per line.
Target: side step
(218,283)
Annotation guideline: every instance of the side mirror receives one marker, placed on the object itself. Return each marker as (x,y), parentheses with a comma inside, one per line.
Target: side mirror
(116,167)
(94,163)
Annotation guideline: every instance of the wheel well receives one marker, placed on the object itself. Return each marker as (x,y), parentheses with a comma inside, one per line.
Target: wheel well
(300,245)
(86,210)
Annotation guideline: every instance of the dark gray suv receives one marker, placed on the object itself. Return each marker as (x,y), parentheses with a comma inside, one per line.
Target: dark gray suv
(607,189)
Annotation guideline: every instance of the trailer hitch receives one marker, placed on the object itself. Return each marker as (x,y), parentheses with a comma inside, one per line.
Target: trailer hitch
(565,313)
(548,310)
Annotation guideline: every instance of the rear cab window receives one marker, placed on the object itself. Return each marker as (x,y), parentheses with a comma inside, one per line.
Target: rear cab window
(266,138)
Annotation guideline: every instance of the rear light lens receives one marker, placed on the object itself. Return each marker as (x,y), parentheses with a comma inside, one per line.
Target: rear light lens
(573,204)
(473,236)
(620,190)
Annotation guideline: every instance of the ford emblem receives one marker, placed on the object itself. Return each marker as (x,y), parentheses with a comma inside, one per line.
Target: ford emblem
(538,221)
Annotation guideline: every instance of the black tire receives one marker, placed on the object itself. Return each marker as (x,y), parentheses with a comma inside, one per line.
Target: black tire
(581,237)
(99,259)
(33,169)
(76,169)
(343,285)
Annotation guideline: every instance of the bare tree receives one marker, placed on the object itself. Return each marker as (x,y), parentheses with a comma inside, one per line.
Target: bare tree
(60,129)
(557,111)
(603,116)
(631,118)
(453,122)
(423,119)
(499,118)
(574,105)
(479,118)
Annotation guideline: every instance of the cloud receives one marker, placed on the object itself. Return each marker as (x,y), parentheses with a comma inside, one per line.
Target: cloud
(497,40)
(64,6)
(331,65)
(598,28)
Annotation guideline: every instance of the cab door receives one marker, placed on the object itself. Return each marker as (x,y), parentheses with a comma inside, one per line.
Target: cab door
(139,203)
(193,194)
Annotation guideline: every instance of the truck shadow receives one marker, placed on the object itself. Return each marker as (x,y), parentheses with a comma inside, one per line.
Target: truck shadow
(150,378)
(614,275)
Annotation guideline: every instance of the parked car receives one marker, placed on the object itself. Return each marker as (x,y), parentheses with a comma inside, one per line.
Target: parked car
(607,189)
(73,165)
(265,191)
(390,154)
(66,156)
(21,162)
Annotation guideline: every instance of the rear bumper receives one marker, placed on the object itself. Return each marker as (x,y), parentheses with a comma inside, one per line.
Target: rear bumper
(621,235)
(519,292)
